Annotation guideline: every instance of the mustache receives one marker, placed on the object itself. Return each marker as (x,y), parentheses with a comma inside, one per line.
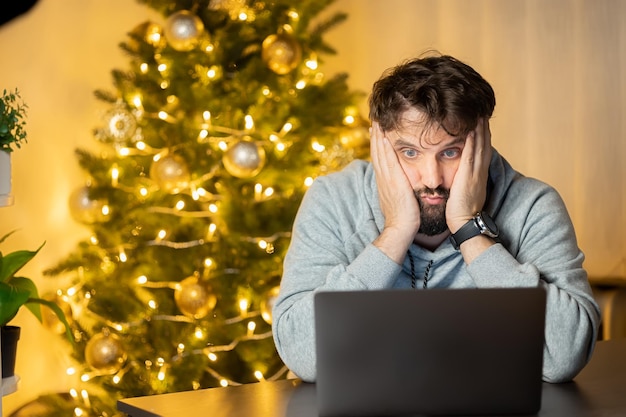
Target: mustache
(439,192)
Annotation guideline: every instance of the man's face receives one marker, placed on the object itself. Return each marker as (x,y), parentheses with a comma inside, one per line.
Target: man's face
(430,158)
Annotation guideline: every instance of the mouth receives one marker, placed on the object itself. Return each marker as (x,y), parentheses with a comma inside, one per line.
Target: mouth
(432,199)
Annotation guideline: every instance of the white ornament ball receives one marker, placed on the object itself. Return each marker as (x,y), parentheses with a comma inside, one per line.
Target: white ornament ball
(170,173)
(244,159)
(121,125)
(194,298)
(183,30)
(105,353)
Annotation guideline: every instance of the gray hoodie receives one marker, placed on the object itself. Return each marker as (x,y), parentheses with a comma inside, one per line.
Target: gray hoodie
(331,250)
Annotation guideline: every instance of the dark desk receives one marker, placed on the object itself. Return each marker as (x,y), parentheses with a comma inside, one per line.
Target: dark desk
(599,391)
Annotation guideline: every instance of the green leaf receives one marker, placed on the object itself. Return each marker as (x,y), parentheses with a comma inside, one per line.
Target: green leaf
(34,304)
(11,299)
(27,285)
(14,261)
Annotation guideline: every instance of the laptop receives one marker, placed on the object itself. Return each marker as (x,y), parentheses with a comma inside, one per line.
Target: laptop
(432,352)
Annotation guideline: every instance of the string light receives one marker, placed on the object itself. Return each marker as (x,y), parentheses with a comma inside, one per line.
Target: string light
(251,327)
(317,147)
(249,122)
(243,305)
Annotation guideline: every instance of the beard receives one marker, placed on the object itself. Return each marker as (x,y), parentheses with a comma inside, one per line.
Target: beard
(432,217)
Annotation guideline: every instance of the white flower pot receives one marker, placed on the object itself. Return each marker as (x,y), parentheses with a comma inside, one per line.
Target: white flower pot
(6,199)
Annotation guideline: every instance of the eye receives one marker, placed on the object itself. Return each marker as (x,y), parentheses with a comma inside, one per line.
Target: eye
(451,153)
(409,153)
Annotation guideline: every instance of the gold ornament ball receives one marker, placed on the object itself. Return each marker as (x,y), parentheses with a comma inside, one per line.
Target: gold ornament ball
(194,298)
(183,30)
(244,159)
(170,173)
(84,209)
(105,353)
(281,53)
(50,319)
(267,304)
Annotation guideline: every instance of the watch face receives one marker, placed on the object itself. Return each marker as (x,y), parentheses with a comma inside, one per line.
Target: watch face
(487,225)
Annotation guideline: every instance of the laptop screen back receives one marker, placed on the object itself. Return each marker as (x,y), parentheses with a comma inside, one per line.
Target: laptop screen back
(439,351)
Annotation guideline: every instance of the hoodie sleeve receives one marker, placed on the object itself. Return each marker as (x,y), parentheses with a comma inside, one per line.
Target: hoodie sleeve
(539,247)
(330,250)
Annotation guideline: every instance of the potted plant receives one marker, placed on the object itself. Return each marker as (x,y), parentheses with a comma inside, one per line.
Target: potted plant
(15,292)
(12,135)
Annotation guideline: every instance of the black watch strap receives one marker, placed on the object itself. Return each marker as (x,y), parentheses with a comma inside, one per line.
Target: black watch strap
(467,231)
(481,223)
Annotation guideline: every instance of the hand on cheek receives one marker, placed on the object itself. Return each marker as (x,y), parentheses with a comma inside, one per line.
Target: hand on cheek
(395,193)
(469,188)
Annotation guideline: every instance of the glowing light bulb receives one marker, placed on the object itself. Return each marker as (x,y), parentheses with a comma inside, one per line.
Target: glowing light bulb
(287,127)
(318,147)
(251,327)
(311,64)
(243,305)
(223,382)
(249,122)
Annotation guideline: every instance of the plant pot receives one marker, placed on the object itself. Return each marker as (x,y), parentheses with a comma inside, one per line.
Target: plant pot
(10,335)
(6,199)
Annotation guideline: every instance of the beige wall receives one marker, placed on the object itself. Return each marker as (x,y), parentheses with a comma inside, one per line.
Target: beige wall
(558,68)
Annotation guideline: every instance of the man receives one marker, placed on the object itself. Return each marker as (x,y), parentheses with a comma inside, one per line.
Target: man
(437,207)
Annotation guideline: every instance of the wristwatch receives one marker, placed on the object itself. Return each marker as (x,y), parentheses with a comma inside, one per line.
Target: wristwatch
(480,224)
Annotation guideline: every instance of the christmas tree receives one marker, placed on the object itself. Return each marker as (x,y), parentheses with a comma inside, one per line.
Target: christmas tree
(208,143)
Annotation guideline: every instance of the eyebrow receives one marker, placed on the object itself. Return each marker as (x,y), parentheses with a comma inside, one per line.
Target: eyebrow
(455,141)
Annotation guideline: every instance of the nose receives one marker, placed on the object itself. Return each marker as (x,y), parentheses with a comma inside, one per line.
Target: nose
(431,173)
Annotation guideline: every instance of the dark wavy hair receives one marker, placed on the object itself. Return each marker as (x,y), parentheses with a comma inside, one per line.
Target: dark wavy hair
(449,92)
